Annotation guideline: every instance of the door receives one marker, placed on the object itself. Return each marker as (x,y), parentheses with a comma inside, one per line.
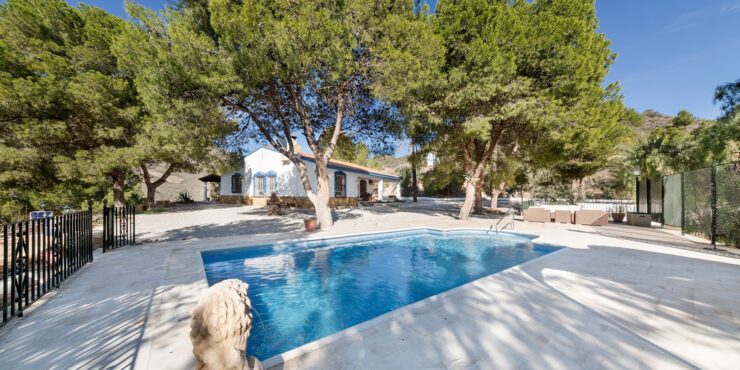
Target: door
(363,189)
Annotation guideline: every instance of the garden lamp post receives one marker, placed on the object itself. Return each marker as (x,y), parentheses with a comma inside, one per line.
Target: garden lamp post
(636,172)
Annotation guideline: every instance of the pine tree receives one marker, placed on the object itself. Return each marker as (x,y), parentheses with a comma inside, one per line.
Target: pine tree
(518,70)
(183,126)
(66,113)
(309,68)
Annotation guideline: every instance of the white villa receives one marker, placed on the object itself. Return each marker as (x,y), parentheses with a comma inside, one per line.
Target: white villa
(267,171)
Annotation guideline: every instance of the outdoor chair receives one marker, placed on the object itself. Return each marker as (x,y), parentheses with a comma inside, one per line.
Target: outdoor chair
(592,217)
(536,215)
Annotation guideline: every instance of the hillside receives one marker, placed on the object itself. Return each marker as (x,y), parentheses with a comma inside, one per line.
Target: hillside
(652,120)
(390,164)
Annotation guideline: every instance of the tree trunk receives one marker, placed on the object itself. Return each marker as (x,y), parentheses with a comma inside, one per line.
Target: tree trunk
(320,199)
(494,196)
(580,191)
(478,207)
(151,191)
(119,186)
(467,205)
(474,171)
(151,186)
(414,184)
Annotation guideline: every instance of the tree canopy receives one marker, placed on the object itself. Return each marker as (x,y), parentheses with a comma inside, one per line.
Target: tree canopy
(184,126)
(308,68)
(525,71)
(66,114)
(689,143)
(88,101)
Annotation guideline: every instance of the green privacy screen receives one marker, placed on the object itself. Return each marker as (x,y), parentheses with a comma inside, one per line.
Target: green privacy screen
(672,200)
(656,199)
(697,193)
(728,203)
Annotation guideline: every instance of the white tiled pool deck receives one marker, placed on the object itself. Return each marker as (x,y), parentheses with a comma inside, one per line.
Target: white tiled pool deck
(601,303)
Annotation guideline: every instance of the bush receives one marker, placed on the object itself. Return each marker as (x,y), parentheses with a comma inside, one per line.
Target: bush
(184,198)
(443,181)
(274,205)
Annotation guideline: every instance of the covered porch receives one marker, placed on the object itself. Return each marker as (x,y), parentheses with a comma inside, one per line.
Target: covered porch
(374,189)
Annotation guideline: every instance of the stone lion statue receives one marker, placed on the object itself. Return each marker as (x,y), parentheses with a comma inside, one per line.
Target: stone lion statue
(220,327)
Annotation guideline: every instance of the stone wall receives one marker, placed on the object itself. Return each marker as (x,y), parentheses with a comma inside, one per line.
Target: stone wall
(291,202)
(232,199)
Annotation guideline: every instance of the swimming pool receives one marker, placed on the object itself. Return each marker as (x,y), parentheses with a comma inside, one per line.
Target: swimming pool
(304,291)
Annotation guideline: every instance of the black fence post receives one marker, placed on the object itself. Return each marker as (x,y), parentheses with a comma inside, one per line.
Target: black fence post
(5,273)
(12,270)
(105,225)
(713,205)
(637,194)
(89,226)
(662,201)
(133,224)
(25,266)
(649,198)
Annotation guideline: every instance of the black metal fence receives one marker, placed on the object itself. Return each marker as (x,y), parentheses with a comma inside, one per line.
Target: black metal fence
(704,202)
(39,254)
(119,226)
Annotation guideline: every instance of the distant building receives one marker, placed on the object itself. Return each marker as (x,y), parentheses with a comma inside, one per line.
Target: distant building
(266,171)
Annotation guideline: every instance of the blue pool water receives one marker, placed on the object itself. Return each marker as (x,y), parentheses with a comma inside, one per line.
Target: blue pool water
(306,291)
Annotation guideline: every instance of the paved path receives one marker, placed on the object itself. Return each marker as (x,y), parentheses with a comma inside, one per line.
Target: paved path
(603,303)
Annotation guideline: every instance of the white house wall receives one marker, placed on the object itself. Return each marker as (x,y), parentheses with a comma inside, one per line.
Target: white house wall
(288,181)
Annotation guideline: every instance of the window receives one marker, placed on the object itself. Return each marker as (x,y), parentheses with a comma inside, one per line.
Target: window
(271,184)
(236,183)
(265,183)
(340,185)
(259,184)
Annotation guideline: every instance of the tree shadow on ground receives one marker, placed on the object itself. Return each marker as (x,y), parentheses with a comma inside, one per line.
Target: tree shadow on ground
(449,209)
(74,330)
(653,236)
(656,297)
(601,307)
(266,226)
(570,310)
(428,207)
(197,206)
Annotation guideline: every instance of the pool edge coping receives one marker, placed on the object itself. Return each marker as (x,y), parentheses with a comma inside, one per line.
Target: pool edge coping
(316,238)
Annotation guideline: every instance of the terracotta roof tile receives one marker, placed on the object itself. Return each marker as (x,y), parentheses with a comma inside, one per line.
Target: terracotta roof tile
(349,165)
